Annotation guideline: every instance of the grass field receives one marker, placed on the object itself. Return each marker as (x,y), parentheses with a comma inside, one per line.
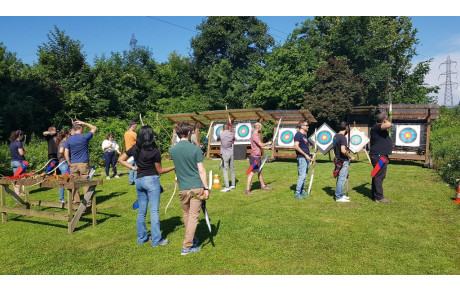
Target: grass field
(267,233)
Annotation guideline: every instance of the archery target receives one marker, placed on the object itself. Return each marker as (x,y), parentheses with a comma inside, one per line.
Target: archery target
(408,135)
(285,137)
(217,128)
(358,140)
(243,132)
(325,138)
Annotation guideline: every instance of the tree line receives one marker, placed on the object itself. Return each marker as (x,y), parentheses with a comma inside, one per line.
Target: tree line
(326,65)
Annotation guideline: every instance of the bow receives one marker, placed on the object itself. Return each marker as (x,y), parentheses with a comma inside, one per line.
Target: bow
(263,163)
(162,127)
(313,166)
(174,192)
(348,149)
(140,118)
(207,136)
(203,204)
(277,130)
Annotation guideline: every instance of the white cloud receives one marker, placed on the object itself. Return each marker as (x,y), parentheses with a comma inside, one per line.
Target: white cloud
(434,77)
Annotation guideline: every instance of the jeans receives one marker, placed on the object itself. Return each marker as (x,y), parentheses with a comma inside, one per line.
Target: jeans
(148,190)
(109,160)
(132,174)
(341,178)
(228,162)
(63,168)
(302,165)
(15,165)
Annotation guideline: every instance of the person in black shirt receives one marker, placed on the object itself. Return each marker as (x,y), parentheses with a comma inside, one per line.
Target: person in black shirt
(148,166)
(381,146)
(304,159)
(343,157)
(50,136)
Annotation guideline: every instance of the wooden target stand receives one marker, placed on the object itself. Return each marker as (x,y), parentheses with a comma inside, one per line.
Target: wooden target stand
(412,114)
(192,118)
(71,184)
(287,117)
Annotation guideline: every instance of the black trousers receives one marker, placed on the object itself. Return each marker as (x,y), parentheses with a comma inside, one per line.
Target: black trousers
(377,181)
(110,160)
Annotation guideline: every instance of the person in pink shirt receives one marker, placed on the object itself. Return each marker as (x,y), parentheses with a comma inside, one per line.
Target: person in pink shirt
(256,153)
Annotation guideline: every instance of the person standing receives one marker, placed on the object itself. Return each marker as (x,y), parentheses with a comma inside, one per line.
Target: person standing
(191,177)
(343,158)
(148,167)
(110,146)
(77,155)
(256,154)
(303,159)
(226,139)
(50,136)
(61,138)
(130,141)
(17,155)
(381,146)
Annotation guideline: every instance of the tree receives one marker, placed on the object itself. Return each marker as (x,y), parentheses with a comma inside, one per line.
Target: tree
(334,91)
(379,50)
(223,53)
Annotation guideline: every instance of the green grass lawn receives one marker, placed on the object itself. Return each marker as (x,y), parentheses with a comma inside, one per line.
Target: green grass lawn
(267,233)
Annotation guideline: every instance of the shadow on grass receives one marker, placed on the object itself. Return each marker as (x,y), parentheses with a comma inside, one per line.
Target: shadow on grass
(364,190)
(294,161)
(329,191)
(101,199)
(169,225)
(87,220)
(202,232)
(38,190)
(256,185)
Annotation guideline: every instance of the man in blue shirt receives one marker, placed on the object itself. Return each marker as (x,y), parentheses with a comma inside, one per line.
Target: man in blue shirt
(303,159)
(76,152)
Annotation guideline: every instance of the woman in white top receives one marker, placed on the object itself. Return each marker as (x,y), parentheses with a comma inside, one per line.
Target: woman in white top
(110,146)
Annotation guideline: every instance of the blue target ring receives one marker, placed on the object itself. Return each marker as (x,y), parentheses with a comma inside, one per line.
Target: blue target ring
(287,137)
(243,131)
(324,137)
(356,140)
(408,135)
(219,130)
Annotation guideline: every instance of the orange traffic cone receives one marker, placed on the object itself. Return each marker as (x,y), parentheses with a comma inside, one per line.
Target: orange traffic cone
(457,200)
(216,182)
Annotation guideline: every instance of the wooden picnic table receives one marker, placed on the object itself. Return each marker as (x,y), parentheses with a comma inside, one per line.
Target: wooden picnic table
(23,207)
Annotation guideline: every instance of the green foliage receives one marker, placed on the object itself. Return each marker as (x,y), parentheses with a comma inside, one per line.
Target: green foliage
(444,140)
(334,92)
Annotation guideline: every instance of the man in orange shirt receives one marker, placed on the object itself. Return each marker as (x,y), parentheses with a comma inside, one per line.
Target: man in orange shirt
(130,140)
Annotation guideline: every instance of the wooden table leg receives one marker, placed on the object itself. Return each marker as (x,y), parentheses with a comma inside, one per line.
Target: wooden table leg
(26,192)
(82,207)
(94,210)
(70,194)
(3,201)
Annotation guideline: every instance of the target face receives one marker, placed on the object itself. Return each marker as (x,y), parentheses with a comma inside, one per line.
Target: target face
(243,132)
(325,138)
(286,136)
(408,135)
(358,140)
(217,129)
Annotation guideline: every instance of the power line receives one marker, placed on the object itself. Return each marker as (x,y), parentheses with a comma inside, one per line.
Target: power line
(195,31)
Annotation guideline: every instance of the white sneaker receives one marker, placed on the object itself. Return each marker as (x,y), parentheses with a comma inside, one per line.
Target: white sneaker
(108,178)
(232,187)
(225,190)
(343,199)
(116,176)
(346,197)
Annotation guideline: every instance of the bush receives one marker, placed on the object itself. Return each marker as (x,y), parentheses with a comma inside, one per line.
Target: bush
(444,141)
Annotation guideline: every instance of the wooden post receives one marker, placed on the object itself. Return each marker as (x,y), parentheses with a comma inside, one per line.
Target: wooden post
(197,132)
(26,192)
(94,209)
(83,204)
(3,201)
(70,195)
(427,146)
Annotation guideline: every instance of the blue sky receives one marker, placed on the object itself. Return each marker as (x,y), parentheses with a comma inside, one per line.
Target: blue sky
(439,37)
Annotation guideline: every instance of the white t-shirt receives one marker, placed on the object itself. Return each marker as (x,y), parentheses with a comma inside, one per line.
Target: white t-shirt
(114,147)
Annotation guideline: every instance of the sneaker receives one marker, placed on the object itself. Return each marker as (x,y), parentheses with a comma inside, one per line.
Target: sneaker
(266,188)
(225,190)
(108,178)
(343,199)
(248,192)
(232,187)
(346,197)
(304,195)
(298,196)
(384,200)
(162,242)
(116,176)
(184,252)
(62,201)
(148,238)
